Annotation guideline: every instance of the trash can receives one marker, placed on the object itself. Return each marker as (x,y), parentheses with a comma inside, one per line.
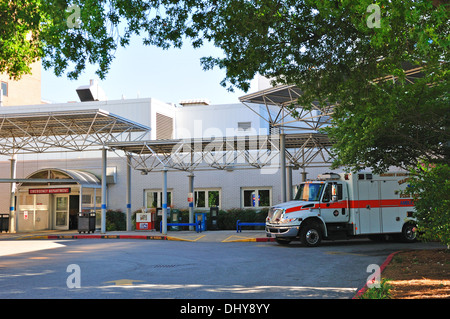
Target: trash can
(4,223)
(213,215)
(202,218)
(86,222)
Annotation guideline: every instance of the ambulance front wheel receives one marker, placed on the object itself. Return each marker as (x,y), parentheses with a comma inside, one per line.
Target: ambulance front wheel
(311,235)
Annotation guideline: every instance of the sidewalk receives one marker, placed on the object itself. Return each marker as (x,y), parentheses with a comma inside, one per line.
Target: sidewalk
(224,236)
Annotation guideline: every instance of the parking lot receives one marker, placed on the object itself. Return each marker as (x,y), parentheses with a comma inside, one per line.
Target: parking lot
(188,269)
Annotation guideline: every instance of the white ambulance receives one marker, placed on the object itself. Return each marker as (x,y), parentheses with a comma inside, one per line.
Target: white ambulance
(344,205)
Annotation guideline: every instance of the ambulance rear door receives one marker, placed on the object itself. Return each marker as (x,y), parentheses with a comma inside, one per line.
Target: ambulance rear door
(369,205)
(390,210)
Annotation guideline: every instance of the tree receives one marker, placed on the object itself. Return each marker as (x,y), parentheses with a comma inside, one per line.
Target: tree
(19,37)
(335,51)
(392,125)
(429,185)
(66,35)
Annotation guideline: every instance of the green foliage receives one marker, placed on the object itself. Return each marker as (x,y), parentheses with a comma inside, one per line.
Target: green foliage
(315,44)
(115,220)
(326,48)
(227,219)
(383,292)
(392,125)
(429,185)
(19,36)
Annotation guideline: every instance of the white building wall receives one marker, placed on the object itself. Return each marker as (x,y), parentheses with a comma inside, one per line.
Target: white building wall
(216,121)
(230,183)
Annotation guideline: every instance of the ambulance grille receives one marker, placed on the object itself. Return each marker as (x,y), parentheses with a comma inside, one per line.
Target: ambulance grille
(274,215)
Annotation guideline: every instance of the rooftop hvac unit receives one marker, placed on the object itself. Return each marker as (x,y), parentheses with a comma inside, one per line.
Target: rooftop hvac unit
(91,92)
(195,102)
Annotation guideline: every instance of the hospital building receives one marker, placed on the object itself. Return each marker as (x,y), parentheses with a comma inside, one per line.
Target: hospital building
(59,159)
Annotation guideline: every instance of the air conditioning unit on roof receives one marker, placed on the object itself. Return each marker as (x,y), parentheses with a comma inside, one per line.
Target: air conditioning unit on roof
(91,92)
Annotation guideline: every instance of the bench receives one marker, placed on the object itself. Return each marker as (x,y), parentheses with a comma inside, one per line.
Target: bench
(198,227)
(239,224)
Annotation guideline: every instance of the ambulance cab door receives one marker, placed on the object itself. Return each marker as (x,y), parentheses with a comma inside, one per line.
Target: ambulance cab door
(369,207)
(333,206)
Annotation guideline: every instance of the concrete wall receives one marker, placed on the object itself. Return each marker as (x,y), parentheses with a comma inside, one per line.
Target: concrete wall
(25,91)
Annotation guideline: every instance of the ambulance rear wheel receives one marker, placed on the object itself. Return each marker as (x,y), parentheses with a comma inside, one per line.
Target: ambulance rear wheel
(311,235)
(409,233)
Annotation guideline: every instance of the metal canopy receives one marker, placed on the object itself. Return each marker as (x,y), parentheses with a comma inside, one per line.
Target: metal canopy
(226,153)
(55,131)
(278,107)
(411,72)
(280,95)
(74,130)
(57,176)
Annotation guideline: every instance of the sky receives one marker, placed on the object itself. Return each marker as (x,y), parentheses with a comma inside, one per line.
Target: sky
(149,72)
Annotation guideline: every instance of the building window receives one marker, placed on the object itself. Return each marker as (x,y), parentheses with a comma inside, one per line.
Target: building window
(256,197)
(5,89)
(244,126)
(206,198)
(86,199)
(153,198)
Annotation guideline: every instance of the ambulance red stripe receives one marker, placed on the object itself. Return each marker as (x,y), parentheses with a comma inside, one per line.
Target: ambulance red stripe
(375,203)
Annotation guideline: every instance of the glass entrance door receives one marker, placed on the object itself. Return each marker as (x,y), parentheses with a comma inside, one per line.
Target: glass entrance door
(61,212)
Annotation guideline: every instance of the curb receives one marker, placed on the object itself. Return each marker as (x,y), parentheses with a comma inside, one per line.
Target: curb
(383,265)
(143,237)
(257,240)
(97,237)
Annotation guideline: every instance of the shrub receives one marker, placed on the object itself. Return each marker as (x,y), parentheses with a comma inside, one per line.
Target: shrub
(115,220)
(429,185)
(383,292)
(226,220)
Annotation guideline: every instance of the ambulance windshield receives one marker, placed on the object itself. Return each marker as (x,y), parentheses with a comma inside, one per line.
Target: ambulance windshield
(309,192)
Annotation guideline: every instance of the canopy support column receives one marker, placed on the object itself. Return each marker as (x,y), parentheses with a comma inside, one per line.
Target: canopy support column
(283,166)
(289,183)
(128,194)
(164,202)
(191,203)
(104,164)
(12,199)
